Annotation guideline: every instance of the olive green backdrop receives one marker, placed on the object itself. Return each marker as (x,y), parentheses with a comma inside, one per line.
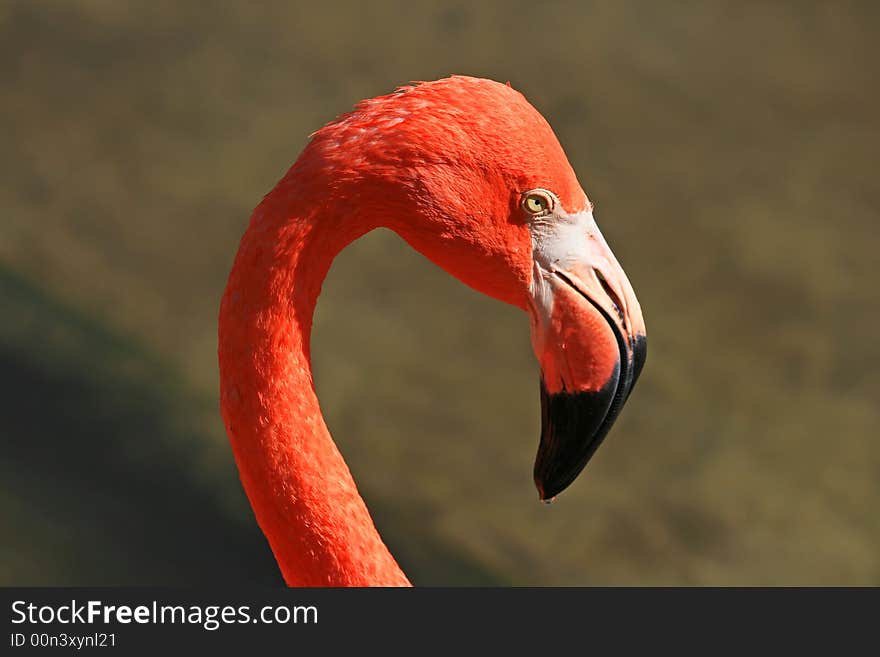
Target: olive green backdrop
(731,150)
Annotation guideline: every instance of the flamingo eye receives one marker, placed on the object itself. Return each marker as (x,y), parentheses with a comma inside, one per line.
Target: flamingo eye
(538,202)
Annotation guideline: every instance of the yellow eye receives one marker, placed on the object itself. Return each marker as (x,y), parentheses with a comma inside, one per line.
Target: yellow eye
(538,203)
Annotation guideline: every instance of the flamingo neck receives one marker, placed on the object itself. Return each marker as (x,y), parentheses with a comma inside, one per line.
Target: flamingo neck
(299,486)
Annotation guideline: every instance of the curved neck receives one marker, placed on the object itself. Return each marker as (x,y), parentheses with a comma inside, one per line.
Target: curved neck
(299,486)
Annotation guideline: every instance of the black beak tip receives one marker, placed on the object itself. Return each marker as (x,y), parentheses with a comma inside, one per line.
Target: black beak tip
(545,494)
(572,427)
(548,495)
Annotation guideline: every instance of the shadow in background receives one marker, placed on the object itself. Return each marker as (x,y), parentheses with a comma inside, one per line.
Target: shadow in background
(104,474)
(98,466)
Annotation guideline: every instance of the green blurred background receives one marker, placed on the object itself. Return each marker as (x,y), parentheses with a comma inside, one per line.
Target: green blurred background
(731,149)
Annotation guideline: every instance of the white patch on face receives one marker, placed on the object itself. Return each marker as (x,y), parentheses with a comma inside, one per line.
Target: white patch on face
(572,245)
(562,240)
(559,243)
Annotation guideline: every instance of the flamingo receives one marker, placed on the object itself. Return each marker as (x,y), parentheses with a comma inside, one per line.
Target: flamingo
(472,176)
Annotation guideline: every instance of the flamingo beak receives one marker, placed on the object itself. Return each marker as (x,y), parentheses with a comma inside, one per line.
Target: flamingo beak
(589,336)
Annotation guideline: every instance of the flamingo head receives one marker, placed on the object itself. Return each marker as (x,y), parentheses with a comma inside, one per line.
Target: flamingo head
(473,177)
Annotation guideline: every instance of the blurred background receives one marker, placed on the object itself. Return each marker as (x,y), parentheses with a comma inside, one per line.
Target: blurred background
(731,150)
